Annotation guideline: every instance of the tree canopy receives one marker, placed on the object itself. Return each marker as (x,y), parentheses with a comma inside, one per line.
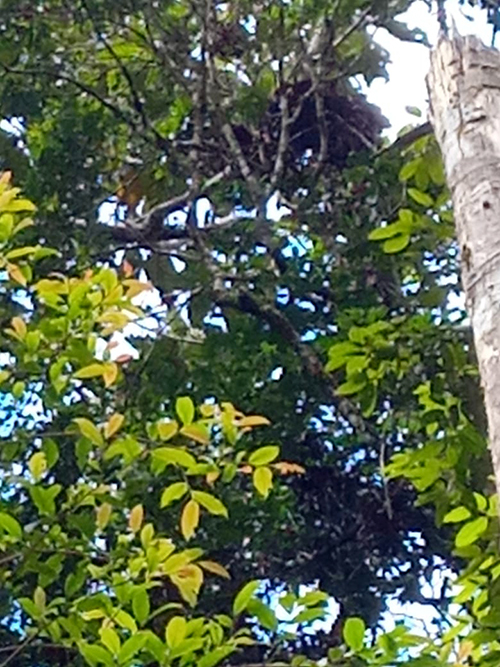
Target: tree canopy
(236,324)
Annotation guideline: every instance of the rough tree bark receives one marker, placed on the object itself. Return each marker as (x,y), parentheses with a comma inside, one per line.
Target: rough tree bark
(464,90)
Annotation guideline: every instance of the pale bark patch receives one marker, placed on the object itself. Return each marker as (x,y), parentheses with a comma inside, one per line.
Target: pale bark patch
(464,89)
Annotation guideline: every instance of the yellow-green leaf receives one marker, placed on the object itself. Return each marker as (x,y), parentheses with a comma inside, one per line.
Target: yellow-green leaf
(90,371)
(110,373)
(214,568)
(19,326)
(10,525)
(141,606)
(456,515)
(169,455)
(16,274)
(89,430)
(190,518)
(136,518)
(244,596)
(253,420)
(103,515)
(210,502)
(471,531)
(125,620)
(172,493)
(176,631)
(197,432)
(38,465)
(264,455)
(184,408)
(263,480)
(110,639)
(167,429)
(354,633)
(396,244)
(20,205)
(39,598)
(113,425)
(420,197)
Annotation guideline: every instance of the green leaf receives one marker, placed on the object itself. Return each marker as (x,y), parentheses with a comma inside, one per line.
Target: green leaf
(264,455)
(435,168)
(89,430)
(481,502)
(244,596)
(265,615)
(96,655)
(396,244)
(471,531)
(171,456)
(455,515)
(39,598)
(131,647)
(51,451)
(110,639)
(176,631)
(30,608)
(141,606)
(44,498)
(352,386)
(197,432)
(414,111)
(354,633)
(387,232)
(210,503)
(214,657)
(38,465)
(74,581)
(184,408)
(190,518)
(167,429)
(408,170)
(420,197)
(125,620)
(263,480)
(10,525)
(172,493)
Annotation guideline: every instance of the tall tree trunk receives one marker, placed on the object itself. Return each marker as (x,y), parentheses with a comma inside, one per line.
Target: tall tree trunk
(464,89)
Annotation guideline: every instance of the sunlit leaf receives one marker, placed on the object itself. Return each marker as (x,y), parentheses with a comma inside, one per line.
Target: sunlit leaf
(263,480)
(264,455)
(197,432)
(141,606)
(136,518)
(172,493)
(175,631)
(167,429)
(190,518)
(38,465)
(103,515)
(456,515)
(253,420)
(244,596)
(184,408)
(354,633)
(214,568)
(210,503)
(471,532)
(89,430)
(113,425)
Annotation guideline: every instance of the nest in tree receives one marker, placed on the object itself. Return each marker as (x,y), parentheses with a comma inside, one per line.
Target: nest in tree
(346,124)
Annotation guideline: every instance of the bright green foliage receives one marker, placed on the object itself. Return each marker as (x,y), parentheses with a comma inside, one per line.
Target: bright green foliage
(87,564)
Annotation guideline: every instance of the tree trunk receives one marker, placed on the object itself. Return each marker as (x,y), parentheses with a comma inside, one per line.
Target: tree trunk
(464,89)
